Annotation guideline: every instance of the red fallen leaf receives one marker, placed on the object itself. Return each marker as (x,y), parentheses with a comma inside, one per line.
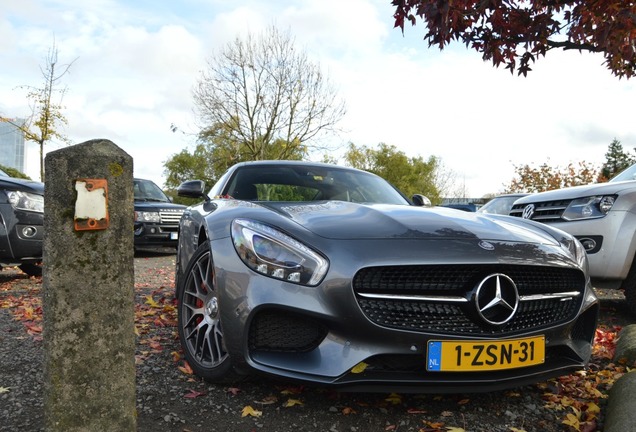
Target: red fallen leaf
(415,411)
(155,346)
(33,328)
(588,426)
(463,402)
(194,394)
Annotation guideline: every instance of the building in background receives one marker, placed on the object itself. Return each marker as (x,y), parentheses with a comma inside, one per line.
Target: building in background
(12,145)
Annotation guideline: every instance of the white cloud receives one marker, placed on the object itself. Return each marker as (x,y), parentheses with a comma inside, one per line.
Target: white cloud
(137,62)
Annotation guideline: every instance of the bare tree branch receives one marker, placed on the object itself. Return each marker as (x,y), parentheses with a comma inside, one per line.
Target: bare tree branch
(265,92)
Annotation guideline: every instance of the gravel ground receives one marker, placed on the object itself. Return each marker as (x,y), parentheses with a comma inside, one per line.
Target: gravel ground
(170,400)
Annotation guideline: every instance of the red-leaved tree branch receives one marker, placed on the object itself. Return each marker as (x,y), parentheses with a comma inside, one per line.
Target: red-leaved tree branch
(515,33)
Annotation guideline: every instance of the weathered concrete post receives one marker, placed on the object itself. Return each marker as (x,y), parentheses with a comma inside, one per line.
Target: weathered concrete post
(88,284)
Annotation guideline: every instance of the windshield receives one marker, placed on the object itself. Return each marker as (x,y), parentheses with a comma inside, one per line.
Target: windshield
(145,190)
(628,174)
(310,183)
(499,205)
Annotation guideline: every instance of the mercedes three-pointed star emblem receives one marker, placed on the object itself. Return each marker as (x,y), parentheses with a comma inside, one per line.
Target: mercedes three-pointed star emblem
(497,299)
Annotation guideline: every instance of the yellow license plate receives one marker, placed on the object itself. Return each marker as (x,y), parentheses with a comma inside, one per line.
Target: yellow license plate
(484,355)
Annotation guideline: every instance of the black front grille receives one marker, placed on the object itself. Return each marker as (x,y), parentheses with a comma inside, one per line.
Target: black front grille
(282,331)
(460,281)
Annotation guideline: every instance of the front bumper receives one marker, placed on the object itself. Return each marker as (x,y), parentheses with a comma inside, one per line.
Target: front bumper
(21,235)
(156,235)
(614,234)
(322,335)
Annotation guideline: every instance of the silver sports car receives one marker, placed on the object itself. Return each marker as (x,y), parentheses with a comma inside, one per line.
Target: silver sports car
(329,275)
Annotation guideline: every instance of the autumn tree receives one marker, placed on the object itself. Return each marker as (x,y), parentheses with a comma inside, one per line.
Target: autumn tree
(411,175)
(215,151)
(264,91)
(515,32)
(46,119)
(545,177)
(616,160)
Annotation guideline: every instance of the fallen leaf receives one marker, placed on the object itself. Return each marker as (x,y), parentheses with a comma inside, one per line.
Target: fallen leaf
(249,411)
(4,389)
(292,391)
(593,408)
(394,398)
(572,420)
(359,368)
(416,411)
(186,369)
(292,402)
(151,302)
(271,399)
(233,390)
(194,394)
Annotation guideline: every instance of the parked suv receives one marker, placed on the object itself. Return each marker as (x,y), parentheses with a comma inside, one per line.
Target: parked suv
(156,217)
(602,216)
(21,223)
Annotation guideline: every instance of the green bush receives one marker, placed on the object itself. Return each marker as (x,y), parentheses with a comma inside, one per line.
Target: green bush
(14,172)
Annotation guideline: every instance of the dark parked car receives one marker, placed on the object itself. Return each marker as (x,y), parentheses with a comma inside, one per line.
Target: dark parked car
(469,207)
(156,217)
(21,223)
(329,275)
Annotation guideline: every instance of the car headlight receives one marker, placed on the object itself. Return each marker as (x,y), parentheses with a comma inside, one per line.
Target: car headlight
(26,201)
(577,251)
(275,254)
(141,216)
(589,207)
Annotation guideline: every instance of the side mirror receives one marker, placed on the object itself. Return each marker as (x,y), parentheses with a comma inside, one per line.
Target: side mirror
(421,201)
(192,189)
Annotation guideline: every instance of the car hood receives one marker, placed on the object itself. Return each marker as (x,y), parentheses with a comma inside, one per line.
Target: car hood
(22,185)
(156,205)
(579,192)
(343,220)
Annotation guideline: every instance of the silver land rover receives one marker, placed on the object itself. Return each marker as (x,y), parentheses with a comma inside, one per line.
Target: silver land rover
(602,216)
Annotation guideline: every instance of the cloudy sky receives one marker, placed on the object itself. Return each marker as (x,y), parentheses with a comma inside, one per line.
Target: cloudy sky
(135,63)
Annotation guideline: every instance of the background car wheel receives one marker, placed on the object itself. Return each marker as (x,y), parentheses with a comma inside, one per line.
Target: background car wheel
(199,321)
(32,269)
(629,287)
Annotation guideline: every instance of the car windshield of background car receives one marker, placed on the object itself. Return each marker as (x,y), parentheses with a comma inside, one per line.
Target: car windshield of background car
(628,174)
(148,191)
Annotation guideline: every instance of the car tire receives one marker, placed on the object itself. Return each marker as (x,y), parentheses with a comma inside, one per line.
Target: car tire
(32,269)
(199,321)
(629,288)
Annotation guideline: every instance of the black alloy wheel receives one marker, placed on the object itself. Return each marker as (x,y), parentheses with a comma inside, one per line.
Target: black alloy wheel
(199,322)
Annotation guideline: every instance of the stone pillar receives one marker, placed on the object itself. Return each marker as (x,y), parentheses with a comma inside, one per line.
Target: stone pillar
(88,289)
